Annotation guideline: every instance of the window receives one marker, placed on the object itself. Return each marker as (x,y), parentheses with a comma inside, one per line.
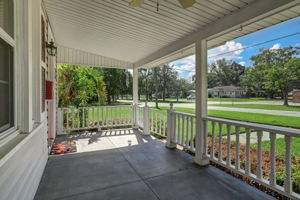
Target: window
(6,66)
(7,16)
(6,86)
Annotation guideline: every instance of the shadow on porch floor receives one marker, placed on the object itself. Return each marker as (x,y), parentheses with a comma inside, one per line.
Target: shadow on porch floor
(123,164)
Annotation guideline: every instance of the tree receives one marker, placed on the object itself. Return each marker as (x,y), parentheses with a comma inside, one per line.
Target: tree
(284,76)
(223,72)
(269,73)
(181,87)
(79,86)
(118,82)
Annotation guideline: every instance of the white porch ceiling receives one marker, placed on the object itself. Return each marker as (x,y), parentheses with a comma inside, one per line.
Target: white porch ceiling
(112,29)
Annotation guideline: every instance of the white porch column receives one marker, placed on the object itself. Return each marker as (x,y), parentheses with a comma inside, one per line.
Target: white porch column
(135,98)
(201,102)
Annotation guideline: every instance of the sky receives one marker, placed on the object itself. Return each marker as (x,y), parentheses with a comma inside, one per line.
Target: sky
(234,50)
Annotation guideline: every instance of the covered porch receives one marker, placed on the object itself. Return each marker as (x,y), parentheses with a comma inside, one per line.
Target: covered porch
(130,165)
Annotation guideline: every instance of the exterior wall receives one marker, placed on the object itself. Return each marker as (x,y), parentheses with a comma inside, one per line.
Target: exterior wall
(296,96)
(21,169)
(24,154)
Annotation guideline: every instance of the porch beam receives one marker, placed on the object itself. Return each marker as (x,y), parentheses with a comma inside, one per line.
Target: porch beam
(201,102)
(255,11)
(71,56)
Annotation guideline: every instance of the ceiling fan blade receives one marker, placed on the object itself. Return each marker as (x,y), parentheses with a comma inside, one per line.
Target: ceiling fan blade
(136,3)
(187,3)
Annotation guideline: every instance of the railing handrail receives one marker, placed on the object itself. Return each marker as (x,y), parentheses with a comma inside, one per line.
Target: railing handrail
(256,126)
(183,113)
(129,105)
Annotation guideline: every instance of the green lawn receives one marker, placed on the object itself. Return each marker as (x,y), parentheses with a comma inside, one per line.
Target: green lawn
(260,106)
(285,121)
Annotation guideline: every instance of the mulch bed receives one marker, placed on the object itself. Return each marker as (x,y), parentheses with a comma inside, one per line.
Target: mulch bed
(63,147)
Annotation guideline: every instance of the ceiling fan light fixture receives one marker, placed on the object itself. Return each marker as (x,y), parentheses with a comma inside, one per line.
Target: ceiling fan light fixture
(187,3)
(136,3)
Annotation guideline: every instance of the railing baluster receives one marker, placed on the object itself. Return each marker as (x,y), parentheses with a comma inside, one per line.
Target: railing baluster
(106,116)
(127,119)
(212,149)
(82,115)
(205,137)
(192,136)
(159,119)
(182,130)
(259,155)
(228,159)
(73,118)
(288,162)
(78,118)
(187,132)
(178,128)
(247,166)
(67,118)
(98,116)
(272,160)
(237,148)
(93,113)
(220,143)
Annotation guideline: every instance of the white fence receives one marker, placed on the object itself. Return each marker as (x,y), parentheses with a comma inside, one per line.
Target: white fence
(83,118)
(230,144)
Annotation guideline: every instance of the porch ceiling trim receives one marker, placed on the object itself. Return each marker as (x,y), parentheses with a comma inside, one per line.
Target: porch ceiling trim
(255,12)
(72,56)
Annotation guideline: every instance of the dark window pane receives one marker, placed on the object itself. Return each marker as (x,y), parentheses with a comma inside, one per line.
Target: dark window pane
(6,86)
(7,16)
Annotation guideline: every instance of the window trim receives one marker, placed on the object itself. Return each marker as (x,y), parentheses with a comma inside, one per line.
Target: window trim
(8,134)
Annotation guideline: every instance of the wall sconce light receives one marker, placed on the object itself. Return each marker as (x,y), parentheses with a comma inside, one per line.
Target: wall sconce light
(51,48)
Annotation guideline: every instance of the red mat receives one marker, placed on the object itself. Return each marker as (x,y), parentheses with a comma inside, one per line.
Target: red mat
(63,147)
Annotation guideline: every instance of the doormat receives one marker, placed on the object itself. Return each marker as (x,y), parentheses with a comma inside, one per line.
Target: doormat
(63,147)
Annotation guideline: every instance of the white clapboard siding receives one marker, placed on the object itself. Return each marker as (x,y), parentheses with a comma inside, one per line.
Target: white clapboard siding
(66,55)
(21,169)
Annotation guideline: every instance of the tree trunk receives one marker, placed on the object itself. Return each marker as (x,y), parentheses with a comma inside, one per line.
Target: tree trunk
(285,99)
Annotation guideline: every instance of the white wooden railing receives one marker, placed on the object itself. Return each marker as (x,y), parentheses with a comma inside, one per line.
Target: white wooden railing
(182,130)
(83,118)
(157,122)
(151,121)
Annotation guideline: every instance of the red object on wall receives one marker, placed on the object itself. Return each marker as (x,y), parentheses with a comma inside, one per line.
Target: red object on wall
(49,90)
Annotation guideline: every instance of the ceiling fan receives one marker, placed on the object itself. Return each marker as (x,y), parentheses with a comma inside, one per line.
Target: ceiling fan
(184,3)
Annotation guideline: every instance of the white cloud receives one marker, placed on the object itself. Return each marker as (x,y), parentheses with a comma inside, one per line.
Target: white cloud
(275,46)
(185,66)
(230,51)
(242,63)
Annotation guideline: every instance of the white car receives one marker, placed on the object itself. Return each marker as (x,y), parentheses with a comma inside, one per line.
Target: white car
(191,96)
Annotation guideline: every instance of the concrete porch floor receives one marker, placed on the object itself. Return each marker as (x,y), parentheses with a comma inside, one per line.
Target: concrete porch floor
(123,164)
